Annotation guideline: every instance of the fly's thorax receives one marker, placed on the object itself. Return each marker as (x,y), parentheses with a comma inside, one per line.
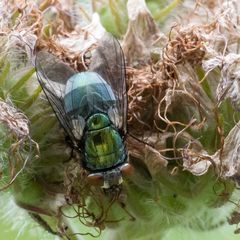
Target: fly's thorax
(88,97)
(103,145)
(87,93)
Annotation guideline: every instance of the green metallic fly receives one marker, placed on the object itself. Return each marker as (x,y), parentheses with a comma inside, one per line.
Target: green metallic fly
(92,108)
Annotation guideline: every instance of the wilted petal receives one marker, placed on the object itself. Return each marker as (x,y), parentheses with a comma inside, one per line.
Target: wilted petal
(81,40)
(227,159)
(195,160)
(142,32)
(229,86)
(198,168)
(152,159)
(211,63)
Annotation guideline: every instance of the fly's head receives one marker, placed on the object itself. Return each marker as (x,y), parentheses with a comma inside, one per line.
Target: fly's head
(110,178)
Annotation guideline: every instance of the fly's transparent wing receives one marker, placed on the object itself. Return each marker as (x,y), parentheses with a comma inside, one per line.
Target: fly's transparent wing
(108,61)
(53,75)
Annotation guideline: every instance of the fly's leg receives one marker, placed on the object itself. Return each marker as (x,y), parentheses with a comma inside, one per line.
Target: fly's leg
(118,196)
(121,202)
(36,217)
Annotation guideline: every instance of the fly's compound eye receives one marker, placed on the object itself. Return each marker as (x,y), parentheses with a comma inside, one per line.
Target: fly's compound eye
(95,179)
(126,169)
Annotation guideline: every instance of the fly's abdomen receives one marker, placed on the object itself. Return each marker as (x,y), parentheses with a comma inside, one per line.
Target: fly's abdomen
(104,149)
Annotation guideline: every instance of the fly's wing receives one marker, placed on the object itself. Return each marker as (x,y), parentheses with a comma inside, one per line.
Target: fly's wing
(108,61)
(52,75)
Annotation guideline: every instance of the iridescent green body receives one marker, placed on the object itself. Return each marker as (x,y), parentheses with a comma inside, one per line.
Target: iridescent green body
(91,107)
(104,147)
(88,99)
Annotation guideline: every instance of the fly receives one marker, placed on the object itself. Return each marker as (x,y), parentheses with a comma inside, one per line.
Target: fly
(91,106)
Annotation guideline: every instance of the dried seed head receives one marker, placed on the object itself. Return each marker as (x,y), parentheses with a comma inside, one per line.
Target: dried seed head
(16,121)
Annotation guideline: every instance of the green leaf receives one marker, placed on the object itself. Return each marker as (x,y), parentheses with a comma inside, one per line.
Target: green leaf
(165,11)
(3,78)
(32,98)
(15,88)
